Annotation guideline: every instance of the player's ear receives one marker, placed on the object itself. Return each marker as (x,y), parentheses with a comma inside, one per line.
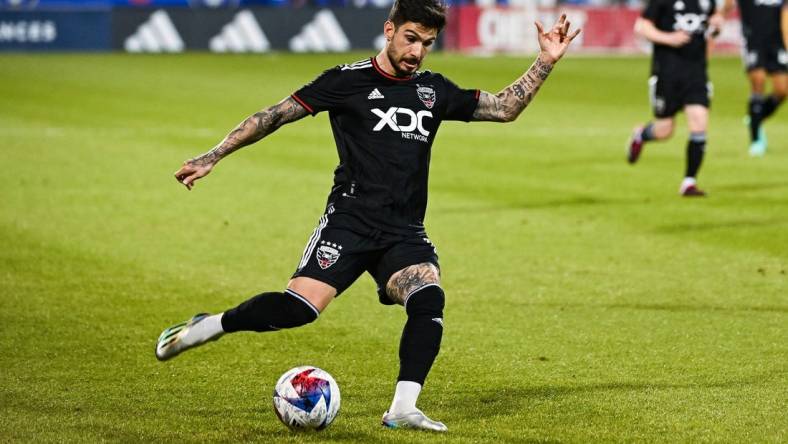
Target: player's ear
(388,30)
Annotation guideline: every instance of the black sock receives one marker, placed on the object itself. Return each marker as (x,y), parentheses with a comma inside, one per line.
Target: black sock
(421,337)
(696,147)
(647,133)
(268,312)
(770,105)
(756,109)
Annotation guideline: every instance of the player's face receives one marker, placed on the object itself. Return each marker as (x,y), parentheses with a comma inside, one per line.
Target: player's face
(407,45)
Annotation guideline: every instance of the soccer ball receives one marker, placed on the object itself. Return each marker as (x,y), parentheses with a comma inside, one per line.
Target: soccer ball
(306,398)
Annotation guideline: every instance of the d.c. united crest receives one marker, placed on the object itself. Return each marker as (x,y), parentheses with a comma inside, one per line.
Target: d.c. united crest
(327,254)
(426,95)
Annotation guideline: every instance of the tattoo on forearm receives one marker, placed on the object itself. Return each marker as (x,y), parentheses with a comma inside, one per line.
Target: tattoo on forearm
(512,100)
(254,128)
(519,91)
(411,278)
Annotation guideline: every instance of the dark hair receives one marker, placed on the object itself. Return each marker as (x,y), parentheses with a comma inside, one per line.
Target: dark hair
(428,13)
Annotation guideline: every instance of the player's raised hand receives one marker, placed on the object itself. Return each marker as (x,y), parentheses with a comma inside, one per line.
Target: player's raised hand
(554,42)
(191,171)
(716,22)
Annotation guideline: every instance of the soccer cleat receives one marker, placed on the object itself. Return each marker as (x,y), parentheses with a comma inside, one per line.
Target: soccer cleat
(635,145)
(170,343)
(412,420)
(692,191)
(758,147)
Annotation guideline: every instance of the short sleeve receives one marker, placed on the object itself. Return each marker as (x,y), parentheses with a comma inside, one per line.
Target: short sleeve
(652,11)
(460,103)
(325,93)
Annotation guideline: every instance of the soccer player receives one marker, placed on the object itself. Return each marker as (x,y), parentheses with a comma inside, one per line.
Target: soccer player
(764,54)
(678,29)
(384,114)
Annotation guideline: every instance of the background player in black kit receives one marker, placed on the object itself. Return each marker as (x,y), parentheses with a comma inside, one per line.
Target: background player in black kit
(678,29)
(384,115)
(765,30)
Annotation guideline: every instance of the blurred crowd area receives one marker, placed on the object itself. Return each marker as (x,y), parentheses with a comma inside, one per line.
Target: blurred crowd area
(77,4)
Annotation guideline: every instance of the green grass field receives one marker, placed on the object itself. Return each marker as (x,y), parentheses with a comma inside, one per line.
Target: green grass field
(587,302)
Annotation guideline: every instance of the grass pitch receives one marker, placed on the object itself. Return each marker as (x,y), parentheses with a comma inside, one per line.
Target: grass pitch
(586,300)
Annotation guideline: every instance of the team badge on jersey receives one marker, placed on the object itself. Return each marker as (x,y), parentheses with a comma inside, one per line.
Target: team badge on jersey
(426,95)
(327,254)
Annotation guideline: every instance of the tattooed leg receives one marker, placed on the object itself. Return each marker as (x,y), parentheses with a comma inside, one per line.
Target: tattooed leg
(417,288)
(406,281)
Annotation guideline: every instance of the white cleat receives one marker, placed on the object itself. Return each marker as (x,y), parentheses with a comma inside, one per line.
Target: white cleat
(170,343)
(412,420)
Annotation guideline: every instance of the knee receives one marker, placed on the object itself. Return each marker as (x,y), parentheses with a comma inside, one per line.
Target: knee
(663,128)
(427,301)
(298,311)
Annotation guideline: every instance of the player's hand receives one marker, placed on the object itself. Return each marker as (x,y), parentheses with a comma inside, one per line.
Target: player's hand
(191,171)
(716,22)
(554,43)
(677,39)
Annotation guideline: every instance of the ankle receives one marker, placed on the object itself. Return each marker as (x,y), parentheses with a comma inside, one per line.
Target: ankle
(405,397)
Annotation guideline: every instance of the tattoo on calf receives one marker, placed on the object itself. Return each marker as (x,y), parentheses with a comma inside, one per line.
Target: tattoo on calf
(411,278)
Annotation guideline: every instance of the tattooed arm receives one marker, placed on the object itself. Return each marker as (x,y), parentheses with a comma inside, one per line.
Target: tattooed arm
(512,100)
(254,128)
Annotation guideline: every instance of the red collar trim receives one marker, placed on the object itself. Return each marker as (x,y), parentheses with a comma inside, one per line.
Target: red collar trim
(387,75)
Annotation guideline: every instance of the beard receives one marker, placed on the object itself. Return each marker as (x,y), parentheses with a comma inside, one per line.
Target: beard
(395,62)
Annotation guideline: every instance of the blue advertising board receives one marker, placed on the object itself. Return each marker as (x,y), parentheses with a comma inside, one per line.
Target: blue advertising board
(92,4)
(55,30)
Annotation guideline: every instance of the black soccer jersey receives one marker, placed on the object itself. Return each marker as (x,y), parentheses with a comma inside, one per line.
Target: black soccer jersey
(760,21)
(384,127)
(691,16)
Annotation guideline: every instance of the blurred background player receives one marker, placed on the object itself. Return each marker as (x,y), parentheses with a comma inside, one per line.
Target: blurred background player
(678,29)
(384,114)
(765,31)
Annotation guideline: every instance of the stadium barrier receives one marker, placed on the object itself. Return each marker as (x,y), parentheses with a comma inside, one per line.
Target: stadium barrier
(55,30)
(247,30)
(511,30)
(470,29)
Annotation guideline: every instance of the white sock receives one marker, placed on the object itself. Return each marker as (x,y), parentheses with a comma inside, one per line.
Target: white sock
(405,397)
(686,183)
(205,330)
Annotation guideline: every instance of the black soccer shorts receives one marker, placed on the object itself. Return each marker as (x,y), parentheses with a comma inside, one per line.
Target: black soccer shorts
(342,247)
(669,94)
(771,57)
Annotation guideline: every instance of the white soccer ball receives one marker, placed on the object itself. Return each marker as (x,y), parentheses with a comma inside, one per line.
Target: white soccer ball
(306,398)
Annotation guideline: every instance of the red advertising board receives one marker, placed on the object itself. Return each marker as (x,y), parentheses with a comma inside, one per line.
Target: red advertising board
(504,29)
